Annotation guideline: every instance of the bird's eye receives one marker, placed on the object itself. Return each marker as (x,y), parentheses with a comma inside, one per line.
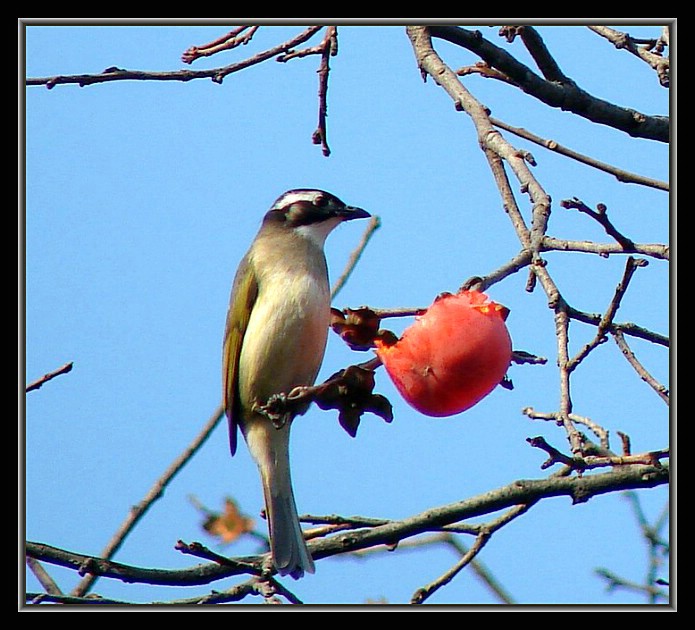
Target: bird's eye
(320,201)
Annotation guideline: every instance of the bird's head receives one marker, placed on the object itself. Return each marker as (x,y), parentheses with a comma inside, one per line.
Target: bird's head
(311,213)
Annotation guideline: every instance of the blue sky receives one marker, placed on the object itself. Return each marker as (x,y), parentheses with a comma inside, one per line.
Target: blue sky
(141,198)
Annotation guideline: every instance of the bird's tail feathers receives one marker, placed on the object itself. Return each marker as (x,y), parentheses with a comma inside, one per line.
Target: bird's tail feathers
(289,551)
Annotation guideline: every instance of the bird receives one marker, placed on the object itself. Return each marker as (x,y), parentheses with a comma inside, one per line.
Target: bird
(274,341)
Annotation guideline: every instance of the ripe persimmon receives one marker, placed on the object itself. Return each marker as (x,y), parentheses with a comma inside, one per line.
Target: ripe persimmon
(452,356)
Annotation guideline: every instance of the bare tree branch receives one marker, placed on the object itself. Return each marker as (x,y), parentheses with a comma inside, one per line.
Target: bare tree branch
(534,43)
(620,174)
(601,216)
(500,152)
(155,492)
(64,369)
(655,250)
(660,389)
(657,547)
(43,577)
(234,38)
(607,320)
(326,49)
(654,59)
(373,225)
(567,96)
(422,594)
(579,489)
(216,74)
(627,328)
(583,471)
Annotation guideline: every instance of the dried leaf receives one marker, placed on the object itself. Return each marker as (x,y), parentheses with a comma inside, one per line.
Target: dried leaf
(357,327)
(228,525)
(350,391)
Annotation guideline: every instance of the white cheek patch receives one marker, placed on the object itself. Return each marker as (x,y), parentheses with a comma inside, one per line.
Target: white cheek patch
(317,232)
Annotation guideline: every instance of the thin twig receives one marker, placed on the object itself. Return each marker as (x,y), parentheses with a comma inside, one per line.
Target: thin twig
(659,388)
(481,540)
(562,322)
(43,577)
(373,225)
(521,261)
(231,40)
(201,551)
(384,313)
(606,321)
(596,428)
(484,70)
(235,593)
(582,462)
(155,492)
(215,74)
(483,573)
(614,581)
(650,532)
(70,600)
(64,369)
(447,538)
(655,250)
(353,522)
(601,216)
(627,328)
(330,48)
(622,40)
(326,49)
(620,174)
(423,593)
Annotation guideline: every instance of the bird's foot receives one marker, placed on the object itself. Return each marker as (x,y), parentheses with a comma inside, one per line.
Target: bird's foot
(275,409)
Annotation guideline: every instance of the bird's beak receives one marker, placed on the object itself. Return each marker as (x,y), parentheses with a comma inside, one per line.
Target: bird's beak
(348,213)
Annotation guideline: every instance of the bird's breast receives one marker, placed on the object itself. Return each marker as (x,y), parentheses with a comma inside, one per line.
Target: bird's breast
(286,336)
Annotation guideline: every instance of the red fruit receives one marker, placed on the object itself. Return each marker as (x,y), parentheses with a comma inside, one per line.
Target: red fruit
(452,356)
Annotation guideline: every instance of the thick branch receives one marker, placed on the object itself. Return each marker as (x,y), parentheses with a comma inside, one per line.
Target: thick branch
(566,96)
(579,489)
(541,55)
(489,138)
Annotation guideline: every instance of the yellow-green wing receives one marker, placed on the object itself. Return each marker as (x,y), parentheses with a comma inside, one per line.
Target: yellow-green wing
(244,293)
